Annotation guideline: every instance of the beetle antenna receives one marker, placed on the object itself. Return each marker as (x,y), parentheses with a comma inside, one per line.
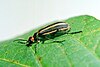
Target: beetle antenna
(19,40)
(22,41)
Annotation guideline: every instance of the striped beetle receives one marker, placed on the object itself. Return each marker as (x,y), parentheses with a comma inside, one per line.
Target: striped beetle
(49,32)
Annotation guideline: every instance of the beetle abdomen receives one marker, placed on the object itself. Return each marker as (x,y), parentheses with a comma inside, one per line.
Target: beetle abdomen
(55,27)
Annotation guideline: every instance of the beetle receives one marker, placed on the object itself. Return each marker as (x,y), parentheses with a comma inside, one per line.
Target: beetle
(49,32)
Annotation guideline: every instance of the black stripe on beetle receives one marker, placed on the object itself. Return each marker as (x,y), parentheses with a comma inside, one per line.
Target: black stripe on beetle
(49,32)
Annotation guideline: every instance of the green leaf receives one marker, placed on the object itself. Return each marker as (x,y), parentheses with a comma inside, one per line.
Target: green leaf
(78,50)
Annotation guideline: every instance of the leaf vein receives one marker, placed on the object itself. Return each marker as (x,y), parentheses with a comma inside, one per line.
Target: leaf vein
(12,61)
(38,62)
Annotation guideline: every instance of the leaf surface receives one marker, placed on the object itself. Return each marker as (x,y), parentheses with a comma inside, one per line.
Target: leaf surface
(78,50)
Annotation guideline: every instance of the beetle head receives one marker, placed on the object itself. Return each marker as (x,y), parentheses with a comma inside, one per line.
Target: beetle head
(30,41)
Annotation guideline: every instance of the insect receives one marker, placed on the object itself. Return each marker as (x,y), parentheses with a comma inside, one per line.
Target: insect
(49,32)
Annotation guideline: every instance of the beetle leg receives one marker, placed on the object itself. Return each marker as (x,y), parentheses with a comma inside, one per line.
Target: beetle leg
(75,32)
(59,41)
(35,46)
(43,42)
(67,32)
